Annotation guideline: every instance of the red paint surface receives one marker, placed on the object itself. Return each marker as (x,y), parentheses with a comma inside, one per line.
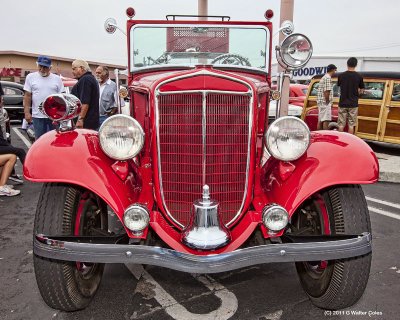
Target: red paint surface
(333,158)
(203,82)
(76,157)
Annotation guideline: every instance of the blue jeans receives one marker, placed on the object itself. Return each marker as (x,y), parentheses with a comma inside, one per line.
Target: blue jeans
(102,119)
(41,126)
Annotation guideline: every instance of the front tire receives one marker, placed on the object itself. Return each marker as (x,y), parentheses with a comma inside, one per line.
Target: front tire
(335,284)
(68,210)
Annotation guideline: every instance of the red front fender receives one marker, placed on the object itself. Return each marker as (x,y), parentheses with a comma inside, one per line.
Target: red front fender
(333,158)
(75,157)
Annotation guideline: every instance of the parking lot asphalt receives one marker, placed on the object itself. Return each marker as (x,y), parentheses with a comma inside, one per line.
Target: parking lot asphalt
(257,293)
(389,161)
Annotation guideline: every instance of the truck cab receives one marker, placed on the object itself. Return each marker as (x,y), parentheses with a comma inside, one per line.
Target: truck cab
(195,177)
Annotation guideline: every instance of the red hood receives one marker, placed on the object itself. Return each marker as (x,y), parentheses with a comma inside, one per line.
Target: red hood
(201,77)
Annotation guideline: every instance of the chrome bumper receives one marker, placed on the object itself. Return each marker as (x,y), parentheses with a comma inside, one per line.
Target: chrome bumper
(283,252)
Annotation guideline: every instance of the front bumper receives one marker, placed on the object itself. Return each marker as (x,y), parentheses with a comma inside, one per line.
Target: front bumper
(305,249)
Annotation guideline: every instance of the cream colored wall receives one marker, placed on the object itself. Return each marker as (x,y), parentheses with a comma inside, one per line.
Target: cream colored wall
(27,63)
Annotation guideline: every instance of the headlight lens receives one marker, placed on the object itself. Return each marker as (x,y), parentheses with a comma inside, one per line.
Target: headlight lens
(121,137)
(275,217)
(287,138)
(136,218)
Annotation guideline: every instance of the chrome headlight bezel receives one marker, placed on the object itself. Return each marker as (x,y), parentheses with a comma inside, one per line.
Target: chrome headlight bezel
(114,152)
(136,218)
(287,51)
(270,214)
(272,134)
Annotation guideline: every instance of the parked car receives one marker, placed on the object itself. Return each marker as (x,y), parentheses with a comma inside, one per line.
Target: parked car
(293,110)
(68,83)
(196,178)
(13,99)
(297,93)
(378,111)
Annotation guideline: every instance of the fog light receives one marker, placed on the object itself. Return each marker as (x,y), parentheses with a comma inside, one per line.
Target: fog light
(136,218)
(275,217)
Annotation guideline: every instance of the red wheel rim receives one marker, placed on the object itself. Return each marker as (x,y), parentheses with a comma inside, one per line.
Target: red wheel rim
(320,266)
(82,205)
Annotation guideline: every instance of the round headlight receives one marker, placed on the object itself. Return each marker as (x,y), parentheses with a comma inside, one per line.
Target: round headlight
(121,137)
(275,217)
(136,218)
(295,51)
(287,138)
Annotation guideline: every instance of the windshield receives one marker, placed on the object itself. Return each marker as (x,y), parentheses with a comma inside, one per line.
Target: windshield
(191,45)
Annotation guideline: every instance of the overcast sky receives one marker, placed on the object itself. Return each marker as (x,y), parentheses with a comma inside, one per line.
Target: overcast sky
(74,28)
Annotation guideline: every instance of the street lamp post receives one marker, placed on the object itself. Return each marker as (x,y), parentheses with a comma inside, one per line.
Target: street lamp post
(202,9)
(283,77)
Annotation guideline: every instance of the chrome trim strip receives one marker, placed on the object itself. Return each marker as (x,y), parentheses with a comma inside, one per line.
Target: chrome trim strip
(248,93)
(204,132)
(116,74)
(213,263)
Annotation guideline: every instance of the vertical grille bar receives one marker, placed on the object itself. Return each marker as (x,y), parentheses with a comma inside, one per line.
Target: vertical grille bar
(203,139)
(204,132)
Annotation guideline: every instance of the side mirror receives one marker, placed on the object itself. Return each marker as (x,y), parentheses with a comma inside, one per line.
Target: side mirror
(287,27)
(110,25)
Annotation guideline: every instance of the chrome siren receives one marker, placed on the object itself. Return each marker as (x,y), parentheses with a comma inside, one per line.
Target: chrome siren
(205,229)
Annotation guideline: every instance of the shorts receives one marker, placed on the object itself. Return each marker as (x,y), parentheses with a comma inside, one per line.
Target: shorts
(324,112)
(348,115)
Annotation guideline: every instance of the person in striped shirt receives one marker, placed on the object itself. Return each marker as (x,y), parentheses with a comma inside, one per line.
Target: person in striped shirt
(325,98)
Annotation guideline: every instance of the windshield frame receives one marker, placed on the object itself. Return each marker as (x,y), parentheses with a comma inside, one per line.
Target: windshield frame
(266,26)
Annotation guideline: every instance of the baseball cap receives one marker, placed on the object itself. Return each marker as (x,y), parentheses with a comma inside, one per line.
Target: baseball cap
(44,61)
(331,67)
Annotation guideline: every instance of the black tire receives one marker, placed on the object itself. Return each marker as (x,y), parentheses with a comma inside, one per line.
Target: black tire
(339,283)
(66,286)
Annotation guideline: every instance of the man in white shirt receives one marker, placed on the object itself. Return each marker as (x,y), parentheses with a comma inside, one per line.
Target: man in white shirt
(38,86)
(108,94)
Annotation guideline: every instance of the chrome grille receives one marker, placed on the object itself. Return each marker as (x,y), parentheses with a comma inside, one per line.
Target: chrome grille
(203,139)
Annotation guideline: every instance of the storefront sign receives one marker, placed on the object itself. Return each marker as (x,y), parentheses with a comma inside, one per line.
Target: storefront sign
(10,72)
(309,71)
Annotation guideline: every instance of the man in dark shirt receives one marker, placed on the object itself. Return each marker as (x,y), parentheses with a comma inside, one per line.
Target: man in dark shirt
(87,90)
(351,85)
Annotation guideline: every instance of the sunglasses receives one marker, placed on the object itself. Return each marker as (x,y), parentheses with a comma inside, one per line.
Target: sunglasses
(43,67)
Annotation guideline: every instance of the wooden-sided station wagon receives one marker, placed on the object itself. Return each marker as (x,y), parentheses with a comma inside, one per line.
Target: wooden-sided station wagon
(378,111)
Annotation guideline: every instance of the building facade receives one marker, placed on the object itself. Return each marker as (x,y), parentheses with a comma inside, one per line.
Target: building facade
(317,65)
(16,65)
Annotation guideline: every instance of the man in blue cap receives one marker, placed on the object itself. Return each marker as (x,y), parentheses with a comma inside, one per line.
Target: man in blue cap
(38,86)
